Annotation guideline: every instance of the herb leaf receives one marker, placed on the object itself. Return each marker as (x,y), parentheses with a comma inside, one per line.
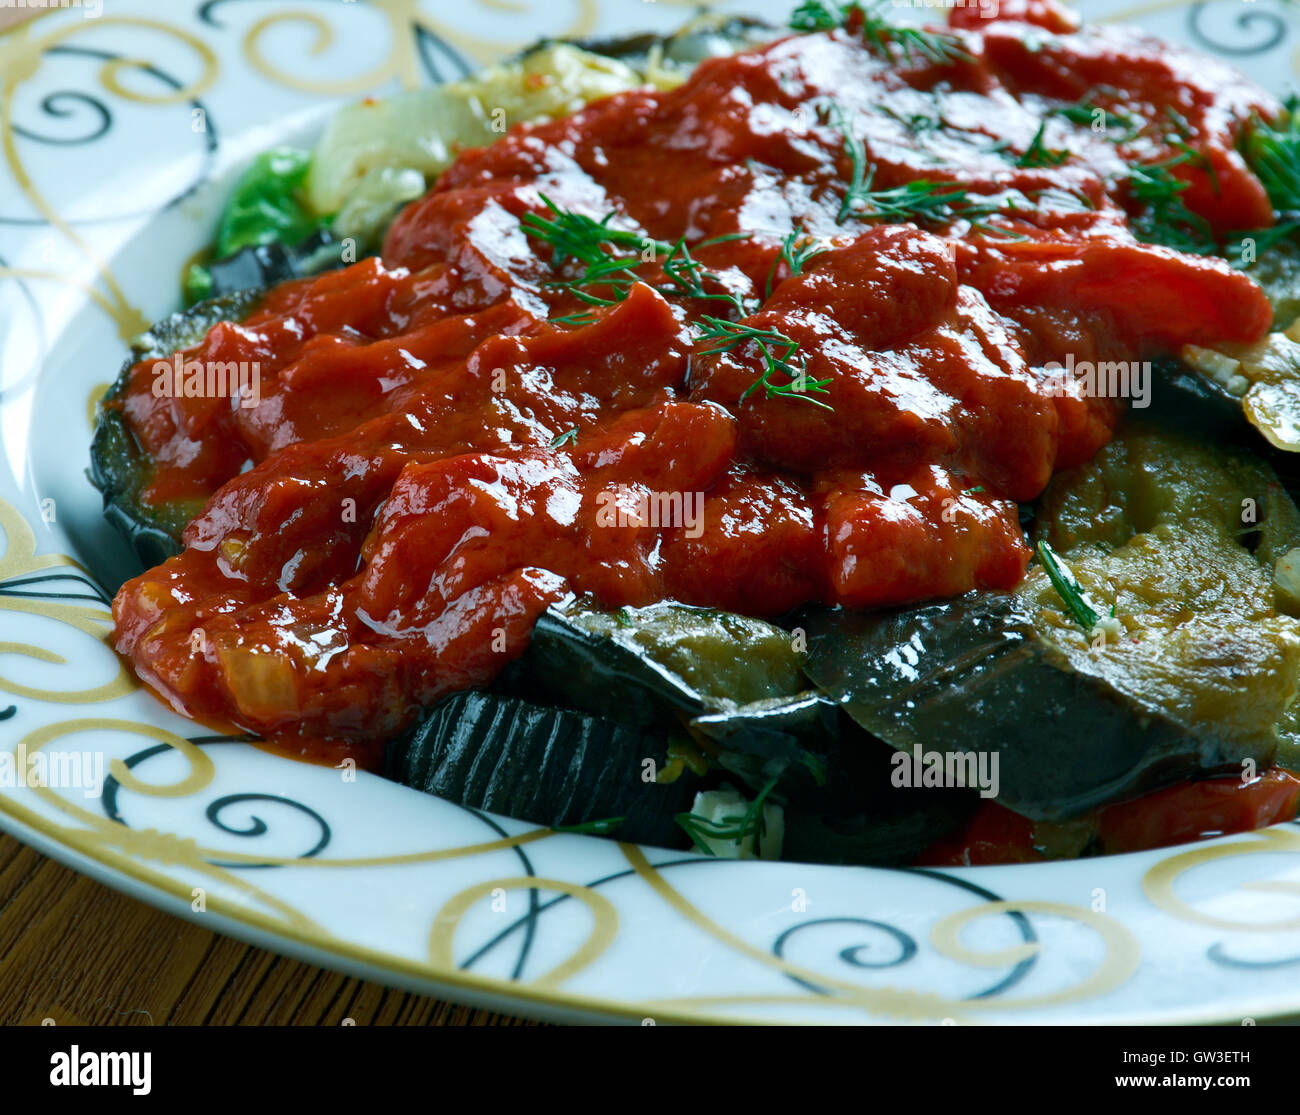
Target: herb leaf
(1165,218)
(777,351)
(1273,153)
(1039,154)
(600,828)
(880,35)
(752,822)
(1063,580)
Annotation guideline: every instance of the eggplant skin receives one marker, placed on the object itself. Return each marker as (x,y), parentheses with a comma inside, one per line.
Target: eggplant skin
(546,765)
(976,675)
(119,466)
(891,833)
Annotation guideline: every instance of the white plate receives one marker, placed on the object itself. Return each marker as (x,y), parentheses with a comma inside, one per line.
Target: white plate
(121,135)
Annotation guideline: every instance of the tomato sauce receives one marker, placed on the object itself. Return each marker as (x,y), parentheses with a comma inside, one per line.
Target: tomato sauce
(434,459)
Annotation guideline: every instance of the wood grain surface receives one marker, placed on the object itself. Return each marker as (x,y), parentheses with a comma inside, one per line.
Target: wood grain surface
(82,954)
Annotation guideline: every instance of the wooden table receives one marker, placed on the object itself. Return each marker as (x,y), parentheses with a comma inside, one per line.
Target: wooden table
(80,953)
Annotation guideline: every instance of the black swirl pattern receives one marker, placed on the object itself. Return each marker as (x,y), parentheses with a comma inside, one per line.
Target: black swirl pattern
(65,104)
(441,61)
(1260,30)
(22,587)
(857,955)
(255,827)
(1218,954)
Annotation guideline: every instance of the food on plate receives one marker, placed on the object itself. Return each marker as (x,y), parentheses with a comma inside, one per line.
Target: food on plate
(705,438)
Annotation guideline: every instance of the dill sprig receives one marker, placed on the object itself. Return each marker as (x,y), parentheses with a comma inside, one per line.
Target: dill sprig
(576,237)
(1038,154)
(1118,127)
(601,827)
(879,33)
(922,200)
(854,150)
(569,437)
(798,249)
(1165,218)
(1067,588)
(1272,151)
(735,827)
(777,352)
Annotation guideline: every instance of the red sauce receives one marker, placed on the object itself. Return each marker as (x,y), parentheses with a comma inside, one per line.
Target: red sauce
(403,517)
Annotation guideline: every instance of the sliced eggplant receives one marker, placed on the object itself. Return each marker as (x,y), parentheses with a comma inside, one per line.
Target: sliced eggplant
(1258,385)
(732,682)
(545,765)
(710,35)
(1189,677)
(261,266)
(119,467)
(655,665)
(890,830)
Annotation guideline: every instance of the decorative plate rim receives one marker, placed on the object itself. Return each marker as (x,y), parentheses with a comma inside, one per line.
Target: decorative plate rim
(137,876)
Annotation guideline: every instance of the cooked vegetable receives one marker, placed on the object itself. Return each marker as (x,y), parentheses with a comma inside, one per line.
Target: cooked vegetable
(734,682)
(654,665)
(1193,811)
(423,130)
(545,765)
(1181,539)
(1263,379)
(260,267)
(118,465)
(266,207)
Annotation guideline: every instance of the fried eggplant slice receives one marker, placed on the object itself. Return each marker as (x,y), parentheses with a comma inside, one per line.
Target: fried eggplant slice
(1191,662)
(119,466)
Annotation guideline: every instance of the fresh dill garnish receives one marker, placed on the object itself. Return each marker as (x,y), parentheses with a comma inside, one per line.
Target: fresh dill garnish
(777,351)
(569,437)
(975,490)
(577,236)
(600,828)
(1039,154)
(624,618)
(1264,239)
(920,201)
(687,276)
(1067,588)
(878,33)
(1272,150)
(798,249)
(1165,218)
(593,243)
(583,318)
(1118,127)
(734,827)
(917,122)
(854,150)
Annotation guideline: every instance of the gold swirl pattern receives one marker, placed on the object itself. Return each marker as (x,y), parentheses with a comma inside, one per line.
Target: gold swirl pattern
(1117,968)
(404,19)
(20,58)
(1158,883)
(603,931)
(19,559)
